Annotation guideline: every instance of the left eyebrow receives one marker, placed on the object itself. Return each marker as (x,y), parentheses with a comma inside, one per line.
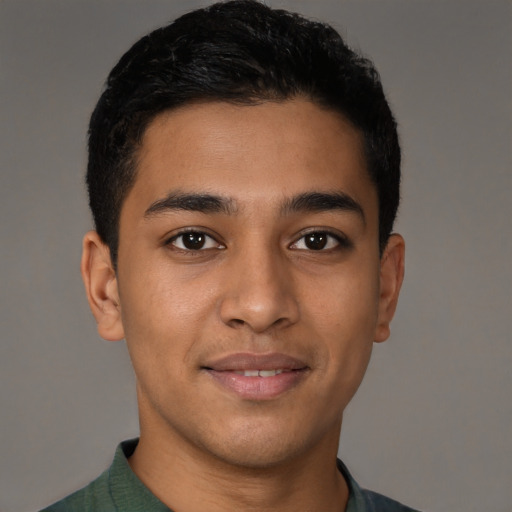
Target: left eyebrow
(202,203)
(322,202)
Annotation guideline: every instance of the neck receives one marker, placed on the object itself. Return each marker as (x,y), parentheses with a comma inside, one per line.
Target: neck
(188,479)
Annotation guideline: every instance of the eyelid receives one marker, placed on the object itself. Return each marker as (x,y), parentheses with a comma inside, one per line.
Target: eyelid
(343,242)
(169,240)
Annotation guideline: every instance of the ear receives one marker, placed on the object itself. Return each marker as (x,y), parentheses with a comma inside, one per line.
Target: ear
(101,287)
(391,277)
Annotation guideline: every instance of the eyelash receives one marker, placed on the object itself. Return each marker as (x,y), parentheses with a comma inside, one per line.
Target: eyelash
(340,241)
(197,232)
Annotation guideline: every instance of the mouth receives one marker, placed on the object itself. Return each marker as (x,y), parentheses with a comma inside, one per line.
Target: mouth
(257,376)
(259,373)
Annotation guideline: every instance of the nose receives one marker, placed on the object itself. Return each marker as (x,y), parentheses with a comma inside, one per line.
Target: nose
(260,292)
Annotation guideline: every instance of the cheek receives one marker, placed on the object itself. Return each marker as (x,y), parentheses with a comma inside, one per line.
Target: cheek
(157,337)
(346,303)
(344,313)
(163,314)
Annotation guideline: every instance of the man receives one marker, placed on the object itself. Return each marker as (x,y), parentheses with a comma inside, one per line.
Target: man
(243,176)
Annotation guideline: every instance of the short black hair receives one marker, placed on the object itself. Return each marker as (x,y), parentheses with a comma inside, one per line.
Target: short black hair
(242,52)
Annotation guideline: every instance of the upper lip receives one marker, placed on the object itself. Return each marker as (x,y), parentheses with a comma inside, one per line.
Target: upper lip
(249,361)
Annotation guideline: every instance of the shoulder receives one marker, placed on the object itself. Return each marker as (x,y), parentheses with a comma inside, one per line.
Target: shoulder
(117,488)
(93,497)
(363,500)
(376,502)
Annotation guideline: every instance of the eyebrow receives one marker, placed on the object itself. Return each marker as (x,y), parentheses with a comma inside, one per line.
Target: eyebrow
(209,203)
(322,202)
(203,203)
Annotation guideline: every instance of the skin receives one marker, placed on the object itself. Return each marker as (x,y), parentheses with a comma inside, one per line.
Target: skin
(256,286)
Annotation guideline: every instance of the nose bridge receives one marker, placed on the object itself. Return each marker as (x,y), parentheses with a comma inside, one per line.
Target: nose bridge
(261,291)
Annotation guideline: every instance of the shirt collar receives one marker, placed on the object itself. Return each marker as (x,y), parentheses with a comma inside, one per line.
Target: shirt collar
(126,490)
(356,501)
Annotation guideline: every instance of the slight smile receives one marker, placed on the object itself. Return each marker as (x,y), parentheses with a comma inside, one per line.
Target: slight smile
(257,376)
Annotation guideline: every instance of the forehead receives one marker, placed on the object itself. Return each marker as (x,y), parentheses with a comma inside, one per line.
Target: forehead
(251,153)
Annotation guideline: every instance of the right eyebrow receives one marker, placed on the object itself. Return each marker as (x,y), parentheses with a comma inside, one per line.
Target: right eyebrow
(203,203)
(323,202)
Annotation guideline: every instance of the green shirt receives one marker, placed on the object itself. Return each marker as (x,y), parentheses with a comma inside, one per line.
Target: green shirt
(119,490)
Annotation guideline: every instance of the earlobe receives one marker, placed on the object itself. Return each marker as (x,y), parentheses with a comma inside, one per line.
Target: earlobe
(391,277)
(101,287)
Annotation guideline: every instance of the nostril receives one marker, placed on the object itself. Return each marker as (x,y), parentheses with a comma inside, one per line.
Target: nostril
(236,322)
(257,306)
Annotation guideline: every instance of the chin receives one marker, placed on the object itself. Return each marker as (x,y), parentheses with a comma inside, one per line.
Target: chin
(255,448)
(253,456)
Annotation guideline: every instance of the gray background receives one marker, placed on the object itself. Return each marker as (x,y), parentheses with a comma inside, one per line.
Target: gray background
(432,422)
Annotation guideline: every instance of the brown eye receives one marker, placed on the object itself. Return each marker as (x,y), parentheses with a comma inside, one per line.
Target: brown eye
(194,241)
(320,241)
(316,241)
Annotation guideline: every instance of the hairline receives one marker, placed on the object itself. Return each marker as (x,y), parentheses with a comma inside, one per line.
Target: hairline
(132,161)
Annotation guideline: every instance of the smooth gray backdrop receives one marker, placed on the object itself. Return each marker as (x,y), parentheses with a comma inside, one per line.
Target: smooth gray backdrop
(432,423)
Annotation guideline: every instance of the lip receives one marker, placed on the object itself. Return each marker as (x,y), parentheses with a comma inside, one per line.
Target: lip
(251,361)
(224,372)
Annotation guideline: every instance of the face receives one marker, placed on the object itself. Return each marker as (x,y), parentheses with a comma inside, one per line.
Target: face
(249,285)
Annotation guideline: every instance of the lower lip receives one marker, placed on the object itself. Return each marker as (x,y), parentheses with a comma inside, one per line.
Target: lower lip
(258,388)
